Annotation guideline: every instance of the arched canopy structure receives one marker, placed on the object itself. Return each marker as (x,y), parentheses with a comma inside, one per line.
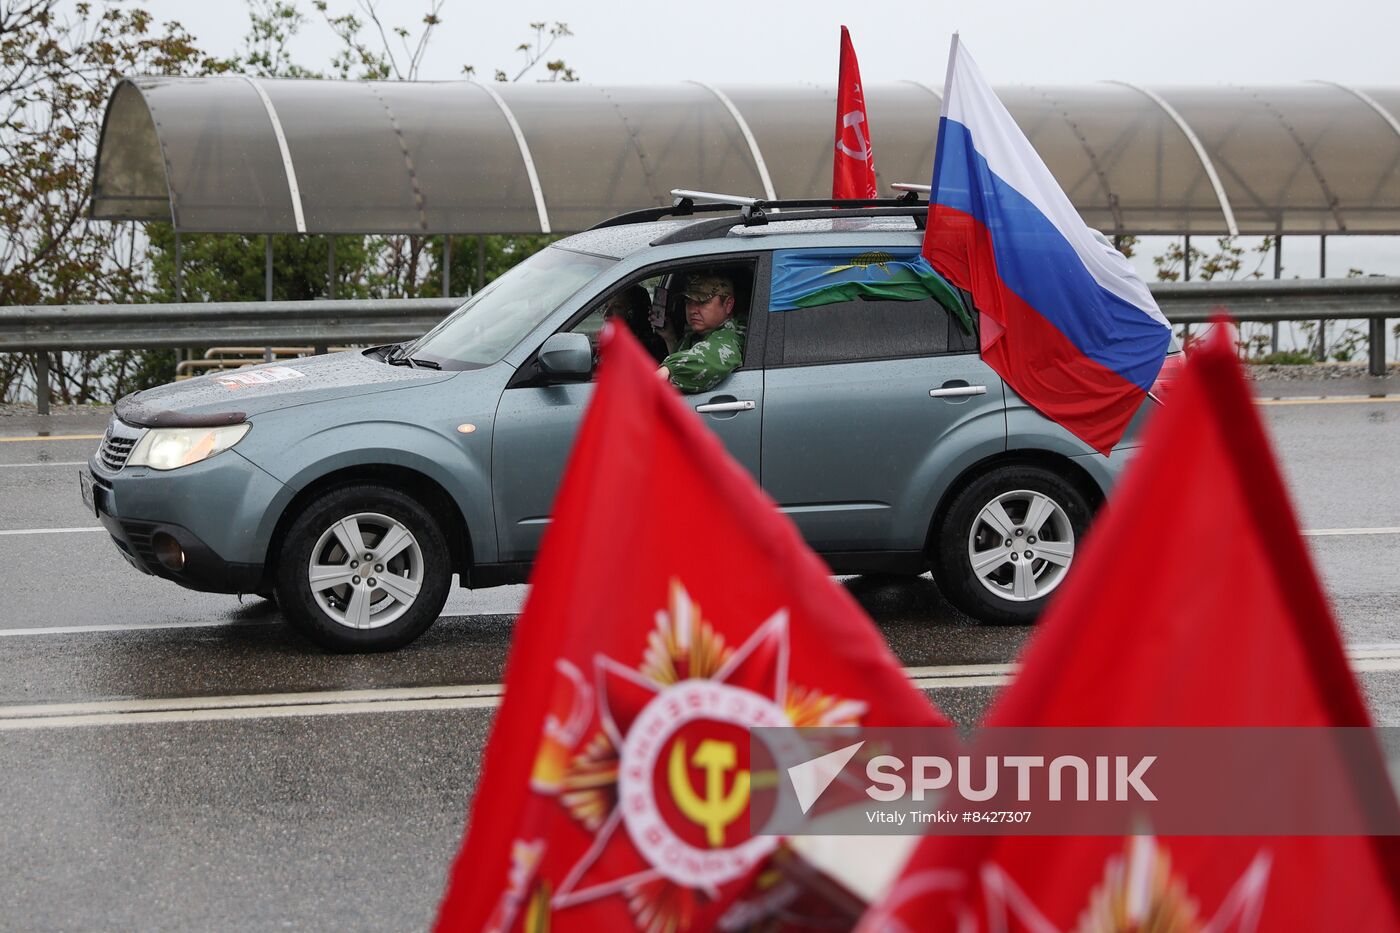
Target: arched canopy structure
(254,155)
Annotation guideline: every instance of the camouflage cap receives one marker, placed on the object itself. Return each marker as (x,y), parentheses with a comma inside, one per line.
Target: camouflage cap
(702,286)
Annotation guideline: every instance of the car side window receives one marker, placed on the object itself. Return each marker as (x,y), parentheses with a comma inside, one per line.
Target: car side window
(841,306)
(631,305)
(654,307)
(590,326)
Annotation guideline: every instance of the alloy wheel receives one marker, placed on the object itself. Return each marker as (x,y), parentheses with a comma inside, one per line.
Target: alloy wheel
(366,570)
(1021,545)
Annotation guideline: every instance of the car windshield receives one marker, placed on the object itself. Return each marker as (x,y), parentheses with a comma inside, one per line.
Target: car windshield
(494,320)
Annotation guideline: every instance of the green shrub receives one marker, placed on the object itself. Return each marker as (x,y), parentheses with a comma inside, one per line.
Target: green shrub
(1287,358)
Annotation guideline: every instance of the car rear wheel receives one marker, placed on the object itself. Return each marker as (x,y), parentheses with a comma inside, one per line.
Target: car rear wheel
(1008,541)
(364,568)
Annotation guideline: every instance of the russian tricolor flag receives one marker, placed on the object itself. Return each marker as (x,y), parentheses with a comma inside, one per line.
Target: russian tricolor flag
(1065,320)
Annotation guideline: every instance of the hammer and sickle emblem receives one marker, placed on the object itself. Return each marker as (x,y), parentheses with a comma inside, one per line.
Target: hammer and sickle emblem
(716,809)
(853,120)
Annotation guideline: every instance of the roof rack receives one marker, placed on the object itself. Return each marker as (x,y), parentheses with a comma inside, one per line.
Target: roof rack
(720,226)
(755,211)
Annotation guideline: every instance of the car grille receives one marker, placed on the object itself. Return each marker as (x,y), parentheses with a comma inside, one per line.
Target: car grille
(115,450)
(117,445)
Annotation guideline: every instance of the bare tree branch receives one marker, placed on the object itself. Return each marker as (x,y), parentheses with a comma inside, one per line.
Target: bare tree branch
(430,22)
(373,13)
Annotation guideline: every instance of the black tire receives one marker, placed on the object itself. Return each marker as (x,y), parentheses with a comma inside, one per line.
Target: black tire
(996,601)
(371,509)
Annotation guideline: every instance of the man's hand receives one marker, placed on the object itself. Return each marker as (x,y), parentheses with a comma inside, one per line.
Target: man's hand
(663,372)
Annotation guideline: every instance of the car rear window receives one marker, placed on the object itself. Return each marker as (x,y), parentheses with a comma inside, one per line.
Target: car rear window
(839,306)
(871,330)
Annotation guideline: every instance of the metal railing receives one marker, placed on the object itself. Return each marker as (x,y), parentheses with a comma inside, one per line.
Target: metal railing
(1372,299)
(53,328)
(216,358)
(246,323)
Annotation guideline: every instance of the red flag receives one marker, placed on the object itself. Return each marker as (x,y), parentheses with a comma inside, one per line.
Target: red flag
(1195,604)
(853,167)
(615,785)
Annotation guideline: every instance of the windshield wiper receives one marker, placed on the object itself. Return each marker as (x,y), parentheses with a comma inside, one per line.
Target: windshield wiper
(411,361)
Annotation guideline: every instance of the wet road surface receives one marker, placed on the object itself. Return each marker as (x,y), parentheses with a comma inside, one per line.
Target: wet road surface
(176,760)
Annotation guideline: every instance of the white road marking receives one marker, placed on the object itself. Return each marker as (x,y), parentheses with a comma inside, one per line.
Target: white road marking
(1377,650)
(43,463)
(270,712)
(1327,532)
(52,531)
(943,683)
(118,627)
(1377,659)
(251,706)
(1328,400)
(1306,532)
(959,670)
(255,700)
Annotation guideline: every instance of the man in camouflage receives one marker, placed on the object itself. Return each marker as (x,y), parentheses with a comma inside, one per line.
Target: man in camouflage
(714,346)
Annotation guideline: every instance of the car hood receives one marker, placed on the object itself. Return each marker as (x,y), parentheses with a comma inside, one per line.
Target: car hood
(232,396)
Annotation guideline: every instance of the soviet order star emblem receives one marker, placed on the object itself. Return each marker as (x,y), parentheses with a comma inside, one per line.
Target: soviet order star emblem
(663,781)
(1140,890)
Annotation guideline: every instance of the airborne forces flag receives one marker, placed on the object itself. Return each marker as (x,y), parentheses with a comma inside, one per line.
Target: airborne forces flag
(615,789)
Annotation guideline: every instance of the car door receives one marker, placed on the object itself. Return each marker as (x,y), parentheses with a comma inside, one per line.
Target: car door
(869,398)
(536,423)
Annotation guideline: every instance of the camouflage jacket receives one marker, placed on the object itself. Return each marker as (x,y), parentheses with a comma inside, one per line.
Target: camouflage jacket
(700,362)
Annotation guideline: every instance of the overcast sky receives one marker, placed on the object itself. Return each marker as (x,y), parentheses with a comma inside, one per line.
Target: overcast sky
(772,41)
(1202,42)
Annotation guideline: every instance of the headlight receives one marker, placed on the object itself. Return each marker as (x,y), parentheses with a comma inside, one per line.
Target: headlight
(169,448)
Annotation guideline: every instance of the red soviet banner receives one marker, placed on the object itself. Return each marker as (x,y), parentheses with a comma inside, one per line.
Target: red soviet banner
(853,167)
(1194,604)
(673,610)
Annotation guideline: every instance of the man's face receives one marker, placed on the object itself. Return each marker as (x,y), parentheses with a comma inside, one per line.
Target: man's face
(704,316)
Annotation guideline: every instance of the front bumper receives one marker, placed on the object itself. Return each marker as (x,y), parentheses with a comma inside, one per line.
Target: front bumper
(217,511)
(203,568)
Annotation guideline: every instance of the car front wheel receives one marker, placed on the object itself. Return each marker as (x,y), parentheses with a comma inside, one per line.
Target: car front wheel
(1008,541)
(364,568)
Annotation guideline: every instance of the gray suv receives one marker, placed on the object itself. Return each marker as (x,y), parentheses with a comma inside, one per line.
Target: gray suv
(353,486)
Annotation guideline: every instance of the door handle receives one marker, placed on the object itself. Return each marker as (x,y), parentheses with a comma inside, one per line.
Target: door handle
(725,406)
(956,391)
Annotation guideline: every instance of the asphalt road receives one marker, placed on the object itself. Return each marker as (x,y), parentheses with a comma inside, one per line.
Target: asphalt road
(174,760)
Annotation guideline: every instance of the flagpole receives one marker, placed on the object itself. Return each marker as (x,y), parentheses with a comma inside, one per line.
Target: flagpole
(948,78)
(942,118)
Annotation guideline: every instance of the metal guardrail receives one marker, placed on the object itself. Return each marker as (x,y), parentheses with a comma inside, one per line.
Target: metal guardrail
(216,358)
(1373,299)
(51,328)
(259,323)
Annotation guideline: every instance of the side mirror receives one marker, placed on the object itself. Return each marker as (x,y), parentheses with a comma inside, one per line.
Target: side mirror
(566,358)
